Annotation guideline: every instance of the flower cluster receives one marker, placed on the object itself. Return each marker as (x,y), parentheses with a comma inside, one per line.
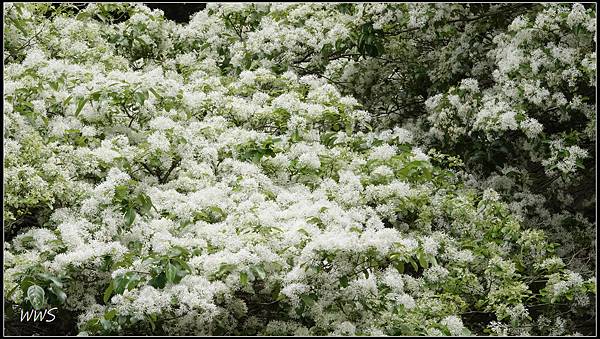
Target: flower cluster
(268,169)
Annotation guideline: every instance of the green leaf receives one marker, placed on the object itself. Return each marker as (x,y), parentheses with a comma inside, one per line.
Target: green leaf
(26,283)
(296,136)
(224,269)
(129,217)
(200,215)
(303,231)
(171,272)
(414,265)
(423,260)
(12,290)
(328,138)
(139,98)
(110,314)
(121,192)
(177,251)
(445,330)
(47,276)
(19,24)
(108,292)
(395,256)
(95,96)
(183,265)
(158,96)
(307,299)
(121,283)
(344,281)
(145,203)
(217,210)
(400,267)
(80,106)
(105,324)
(159,281)
(133,281)
(36,296)
(349,128)
(244,278)
(61,296)
(260,272)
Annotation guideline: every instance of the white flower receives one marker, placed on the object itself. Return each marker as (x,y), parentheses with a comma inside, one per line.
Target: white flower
(419,155)
(309,160)
(531,127)
(435,273)
(383,171)
(577,15)
(518,312)
(162,123)
(158,141)
(406,300)
(404,136)
(345,328)
(383,152)
(490,195)
(518,23)
(469,84)
(280,160)
(34,58)
(89,131)
(507,121)
(430,245)
(454,324)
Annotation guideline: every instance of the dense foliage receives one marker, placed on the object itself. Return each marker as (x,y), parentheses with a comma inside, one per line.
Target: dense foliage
(302,169)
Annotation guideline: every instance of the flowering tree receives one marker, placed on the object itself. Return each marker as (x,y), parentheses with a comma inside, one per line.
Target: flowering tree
(302,169)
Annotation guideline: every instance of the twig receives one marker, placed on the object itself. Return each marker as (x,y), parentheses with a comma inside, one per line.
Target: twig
(175,163)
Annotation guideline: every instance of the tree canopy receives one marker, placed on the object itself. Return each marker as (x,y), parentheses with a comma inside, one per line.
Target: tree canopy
(301,169)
